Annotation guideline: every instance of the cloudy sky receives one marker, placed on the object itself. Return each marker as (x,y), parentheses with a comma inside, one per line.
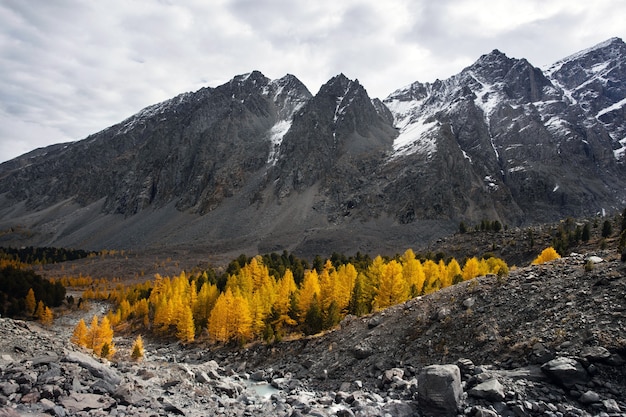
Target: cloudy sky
(69,68)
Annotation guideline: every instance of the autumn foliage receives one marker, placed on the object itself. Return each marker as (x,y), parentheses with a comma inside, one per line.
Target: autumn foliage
(254,303)
(548,254)
(98,336)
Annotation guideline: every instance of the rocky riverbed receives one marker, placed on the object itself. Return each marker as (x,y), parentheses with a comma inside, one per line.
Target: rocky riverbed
(547,340)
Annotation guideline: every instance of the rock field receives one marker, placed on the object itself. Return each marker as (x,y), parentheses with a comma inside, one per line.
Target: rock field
(547,340)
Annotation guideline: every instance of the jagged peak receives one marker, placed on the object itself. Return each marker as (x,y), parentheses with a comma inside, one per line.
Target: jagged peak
(411,92)
(254,79)
(602,51)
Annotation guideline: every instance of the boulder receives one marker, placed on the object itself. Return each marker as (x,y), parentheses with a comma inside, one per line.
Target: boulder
(83,402)
(439,390)
(97,369)
(589,397)
(566,372)
(595,353)
(490,390)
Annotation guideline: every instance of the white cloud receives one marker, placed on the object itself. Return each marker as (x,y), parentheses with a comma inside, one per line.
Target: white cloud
(71,68)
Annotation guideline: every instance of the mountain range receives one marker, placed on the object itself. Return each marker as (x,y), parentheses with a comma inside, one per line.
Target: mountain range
(262,165)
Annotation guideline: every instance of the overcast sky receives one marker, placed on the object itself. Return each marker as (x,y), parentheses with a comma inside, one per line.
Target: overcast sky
(69,68)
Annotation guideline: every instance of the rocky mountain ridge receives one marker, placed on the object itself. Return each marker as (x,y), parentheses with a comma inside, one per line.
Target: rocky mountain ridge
(262,165)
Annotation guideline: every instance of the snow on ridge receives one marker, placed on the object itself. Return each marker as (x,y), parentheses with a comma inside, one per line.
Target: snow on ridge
(552,68)
(620,153)
(153,110)
(615,106)
(415,138)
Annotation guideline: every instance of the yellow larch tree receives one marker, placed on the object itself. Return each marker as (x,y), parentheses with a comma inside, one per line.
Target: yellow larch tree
(431,276)
(31,303)
(453,273)
(345,279)
(185,328)
(327,280)
(207,296)
(413,273)
(137,351)
(286,288)
(309,289)
(39,311)
(370,281)
(230,318)
(79,336)
(548,254)
(46,316)
(391,288)
(104,337)
(471,269)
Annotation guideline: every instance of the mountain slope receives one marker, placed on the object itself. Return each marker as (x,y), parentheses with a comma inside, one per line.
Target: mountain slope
(263,165)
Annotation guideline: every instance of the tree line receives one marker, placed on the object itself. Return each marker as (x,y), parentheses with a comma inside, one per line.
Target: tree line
(260,298)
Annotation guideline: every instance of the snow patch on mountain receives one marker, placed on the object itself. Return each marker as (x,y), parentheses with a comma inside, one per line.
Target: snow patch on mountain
(415,138)
(341,104)
(620,153)
(276,134)
(611,108)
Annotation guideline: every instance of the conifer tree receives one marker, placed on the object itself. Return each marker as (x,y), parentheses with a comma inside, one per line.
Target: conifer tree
(46,317)
(31,303)
(358,304)
(39,312)
(471,269)
(391,287)
(310,288)
(185,329)
(79,336)
(137,350)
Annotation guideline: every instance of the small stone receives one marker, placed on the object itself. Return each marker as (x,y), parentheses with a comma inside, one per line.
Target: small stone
(469,302)
(390,374)
(589,397)
(483,412)
(611,406)
(374,322)
(595,259)
(466,366)
(362,350)
(595,353)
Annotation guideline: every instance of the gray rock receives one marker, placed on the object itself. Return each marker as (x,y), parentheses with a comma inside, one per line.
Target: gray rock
(589,397)
(374,321)
(595,259)
(595,353)
(469,302)
(483,412)
(611,406)
(84,402)
(96,368)
(491,390)
(566,372)
(362,350)
(390,374)
(9,388)
(466,366)
(439,390)
(399,409)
